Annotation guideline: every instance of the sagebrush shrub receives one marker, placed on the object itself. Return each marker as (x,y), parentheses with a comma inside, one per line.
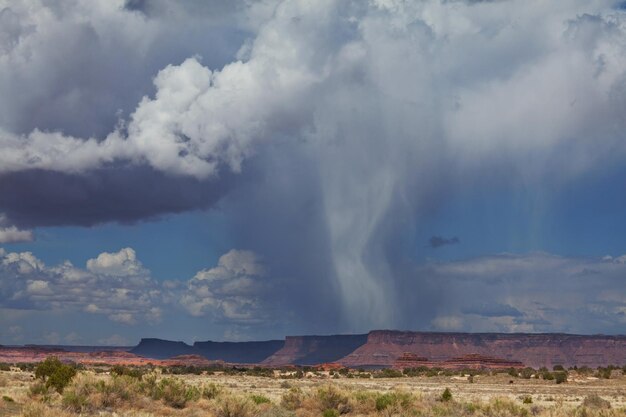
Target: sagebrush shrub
(235,406)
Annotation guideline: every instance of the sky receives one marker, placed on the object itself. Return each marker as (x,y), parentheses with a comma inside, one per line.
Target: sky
(249,169)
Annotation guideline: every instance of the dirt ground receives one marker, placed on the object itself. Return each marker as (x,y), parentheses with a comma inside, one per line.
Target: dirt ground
(483,388)
(15,386)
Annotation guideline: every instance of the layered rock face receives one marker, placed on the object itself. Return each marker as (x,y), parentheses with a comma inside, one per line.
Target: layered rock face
(312,350)
(384,348)
(474,361)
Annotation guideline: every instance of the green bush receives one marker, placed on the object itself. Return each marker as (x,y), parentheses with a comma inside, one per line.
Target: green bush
(383,401)
(330,397)
(7,399)
(54,373)
(505,407)
(233,406)
(260,399)
(76,401)
(526,373)
(560,377)
(330,413)
(446,395)
(604,373)
(527,400)
(38,388)
(388,373)
(393,399)
(175,393)
(61,378)
(211,391)
(120,370)
(595,401)
(292,399)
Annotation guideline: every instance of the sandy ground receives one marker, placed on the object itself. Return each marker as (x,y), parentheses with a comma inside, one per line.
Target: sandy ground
(483,388)
(545,393)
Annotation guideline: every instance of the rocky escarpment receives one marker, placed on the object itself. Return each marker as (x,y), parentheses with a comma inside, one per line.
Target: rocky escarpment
(312,350)
(383,348)
(161,349)
(234,352)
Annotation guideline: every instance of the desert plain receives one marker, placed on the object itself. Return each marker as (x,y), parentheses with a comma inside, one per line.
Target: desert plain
(95,391)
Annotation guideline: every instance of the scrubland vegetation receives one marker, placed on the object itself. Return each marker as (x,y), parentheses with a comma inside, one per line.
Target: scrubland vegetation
(56,389)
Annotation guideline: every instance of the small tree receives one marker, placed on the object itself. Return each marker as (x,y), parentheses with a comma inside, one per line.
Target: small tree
(447,395)
(54,373)
(560,377)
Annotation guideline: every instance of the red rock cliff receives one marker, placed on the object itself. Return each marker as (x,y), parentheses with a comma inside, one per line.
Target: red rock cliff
(384,347)
(313,350)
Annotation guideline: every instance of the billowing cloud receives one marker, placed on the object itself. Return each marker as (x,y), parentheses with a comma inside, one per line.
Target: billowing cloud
(338,124)
(118,286)
(113,284)
(11,234)
(233,291)
(122,263)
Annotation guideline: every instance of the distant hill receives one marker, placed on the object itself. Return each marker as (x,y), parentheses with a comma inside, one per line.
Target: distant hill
(233,352)
(161,349)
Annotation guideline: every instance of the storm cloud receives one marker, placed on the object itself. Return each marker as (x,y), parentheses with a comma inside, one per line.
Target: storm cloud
(327,131)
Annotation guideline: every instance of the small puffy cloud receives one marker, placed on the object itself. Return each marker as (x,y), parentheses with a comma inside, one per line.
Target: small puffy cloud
(23,262)
(38,287)
(92,308)
(12,234)
(122,263)
(232,291)
(125,318)
(235,263)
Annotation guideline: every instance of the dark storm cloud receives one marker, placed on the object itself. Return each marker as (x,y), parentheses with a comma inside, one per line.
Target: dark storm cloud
(188,8)
(439,241)
(124,194)
(139,5)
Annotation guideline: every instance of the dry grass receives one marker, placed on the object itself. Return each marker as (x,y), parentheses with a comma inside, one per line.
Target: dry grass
(155,395)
